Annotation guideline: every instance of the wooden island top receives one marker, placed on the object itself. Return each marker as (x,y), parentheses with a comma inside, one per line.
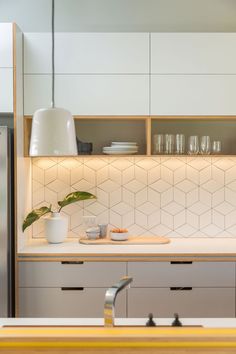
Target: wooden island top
(128,340)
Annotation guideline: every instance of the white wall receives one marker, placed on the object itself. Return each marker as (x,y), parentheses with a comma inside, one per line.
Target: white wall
(122,15)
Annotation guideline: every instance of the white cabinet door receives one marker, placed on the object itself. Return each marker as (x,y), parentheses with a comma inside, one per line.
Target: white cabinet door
(97,53)
(6,46)
(63,274)
(59,302)
(90,94)
(193,95)
(197,302)
(196,274)
(6,90)
(193,53)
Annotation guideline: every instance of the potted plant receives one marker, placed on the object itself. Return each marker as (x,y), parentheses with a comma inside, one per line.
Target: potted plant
(56,226)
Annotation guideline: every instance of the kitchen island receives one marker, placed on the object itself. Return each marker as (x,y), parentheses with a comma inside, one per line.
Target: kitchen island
(129,336)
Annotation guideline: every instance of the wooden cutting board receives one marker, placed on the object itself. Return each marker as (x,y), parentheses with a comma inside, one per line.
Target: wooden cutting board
(132,240)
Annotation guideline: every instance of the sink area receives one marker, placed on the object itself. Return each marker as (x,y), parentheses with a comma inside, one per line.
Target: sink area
(119,322)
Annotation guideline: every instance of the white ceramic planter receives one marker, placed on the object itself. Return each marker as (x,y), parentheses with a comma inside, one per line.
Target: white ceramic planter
(56,228)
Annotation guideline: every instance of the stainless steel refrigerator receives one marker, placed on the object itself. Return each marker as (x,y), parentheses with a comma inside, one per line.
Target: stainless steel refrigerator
(6,222)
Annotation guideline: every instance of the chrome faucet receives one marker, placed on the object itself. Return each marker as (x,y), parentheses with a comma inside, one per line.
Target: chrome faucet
(110,298)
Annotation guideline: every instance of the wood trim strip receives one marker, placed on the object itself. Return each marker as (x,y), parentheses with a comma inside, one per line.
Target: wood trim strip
(127,258)
(149,136)
(15,166)
(202,117)
(109,117)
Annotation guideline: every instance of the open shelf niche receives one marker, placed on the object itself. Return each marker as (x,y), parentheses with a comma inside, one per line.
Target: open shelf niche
(102,130)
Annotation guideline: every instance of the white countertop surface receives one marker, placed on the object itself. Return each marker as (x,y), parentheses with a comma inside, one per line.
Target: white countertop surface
(205,322)
(177,246)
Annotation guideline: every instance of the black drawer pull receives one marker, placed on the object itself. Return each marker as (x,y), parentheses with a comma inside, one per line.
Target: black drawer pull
(72,262)
(184,262)
(179,288)
(70,288)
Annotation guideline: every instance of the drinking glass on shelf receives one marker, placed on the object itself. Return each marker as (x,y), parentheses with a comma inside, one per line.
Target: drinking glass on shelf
(216,147)
(193,145)
(180,144)
(205,145)
(158,143)
(169,144)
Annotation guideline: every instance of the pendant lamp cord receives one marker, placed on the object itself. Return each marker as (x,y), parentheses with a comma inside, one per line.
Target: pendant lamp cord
(53,60)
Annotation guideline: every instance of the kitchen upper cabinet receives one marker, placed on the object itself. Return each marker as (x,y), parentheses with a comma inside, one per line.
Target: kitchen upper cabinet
(193,53)
(6,45)
(90,94)
(81,53)
(193,95)
(6,90)
(6,67)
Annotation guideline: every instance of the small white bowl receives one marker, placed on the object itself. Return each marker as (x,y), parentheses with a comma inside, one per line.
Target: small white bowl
(119,236)
(92,235)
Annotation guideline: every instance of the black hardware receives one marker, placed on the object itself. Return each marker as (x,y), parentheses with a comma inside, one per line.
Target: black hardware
(178,288)
(72,262)
(150,322)
(176,322)
(184,262)
(69,288)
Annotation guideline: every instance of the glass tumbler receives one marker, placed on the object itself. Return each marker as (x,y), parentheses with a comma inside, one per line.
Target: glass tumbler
(169,144)
(216,147)
(205,145)
(193,145)
(158,144)
(179,144)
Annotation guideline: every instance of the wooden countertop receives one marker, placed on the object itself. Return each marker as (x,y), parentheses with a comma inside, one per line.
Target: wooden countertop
(179,249)
(119,339)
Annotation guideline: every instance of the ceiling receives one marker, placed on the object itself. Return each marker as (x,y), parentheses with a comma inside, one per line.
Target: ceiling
(122,15)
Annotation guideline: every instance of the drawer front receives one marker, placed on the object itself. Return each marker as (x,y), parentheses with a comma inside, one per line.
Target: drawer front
(193,95)
(55,302)
(61,274)
(198,302)
(98,94)
(167,274)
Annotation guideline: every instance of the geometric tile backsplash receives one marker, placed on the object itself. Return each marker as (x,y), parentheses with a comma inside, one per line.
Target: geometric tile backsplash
(191,196)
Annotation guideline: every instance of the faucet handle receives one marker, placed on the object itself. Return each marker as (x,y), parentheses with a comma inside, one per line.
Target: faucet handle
(176,322)
(150,322)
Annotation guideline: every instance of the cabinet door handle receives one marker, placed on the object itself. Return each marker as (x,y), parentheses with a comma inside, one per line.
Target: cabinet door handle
(180,262)
(71,288)
(179,288)
(72,262)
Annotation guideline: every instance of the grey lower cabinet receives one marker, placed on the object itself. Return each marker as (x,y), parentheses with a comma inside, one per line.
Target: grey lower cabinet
(77,289)
(187,302)
(59,302)
(192,289)
(68,289)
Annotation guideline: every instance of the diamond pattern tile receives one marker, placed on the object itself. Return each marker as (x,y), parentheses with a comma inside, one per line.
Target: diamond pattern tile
(175,196)
(147,208)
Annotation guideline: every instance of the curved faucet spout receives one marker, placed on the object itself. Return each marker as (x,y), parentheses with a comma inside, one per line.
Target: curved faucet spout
(110,298)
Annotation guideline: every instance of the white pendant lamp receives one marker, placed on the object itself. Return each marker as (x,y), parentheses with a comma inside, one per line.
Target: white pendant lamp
(53,129)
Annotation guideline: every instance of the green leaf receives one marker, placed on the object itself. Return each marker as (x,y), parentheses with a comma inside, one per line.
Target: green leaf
(35,215)
(75,197)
